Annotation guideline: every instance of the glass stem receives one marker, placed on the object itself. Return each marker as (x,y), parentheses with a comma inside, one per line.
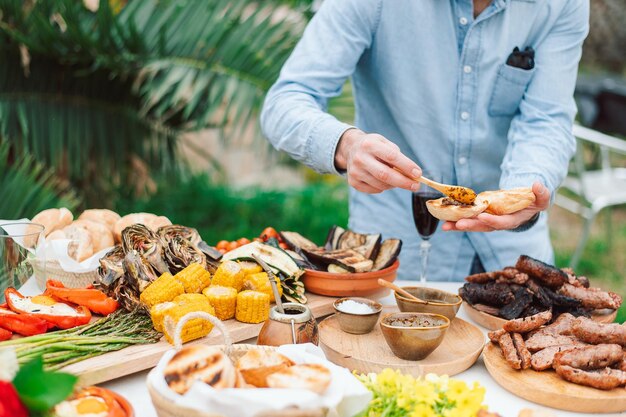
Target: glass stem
(424,251)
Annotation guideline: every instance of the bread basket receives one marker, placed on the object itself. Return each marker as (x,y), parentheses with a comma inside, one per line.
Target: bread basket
(52,270)
(167,408)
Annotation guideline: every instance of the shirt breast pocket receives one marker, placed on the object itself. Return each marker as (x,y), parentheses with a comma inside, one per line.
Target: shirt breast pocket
(509,89)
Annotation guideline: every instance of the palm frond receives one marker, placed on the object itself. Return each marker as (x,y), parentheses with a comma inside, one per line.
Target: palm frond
(26,187)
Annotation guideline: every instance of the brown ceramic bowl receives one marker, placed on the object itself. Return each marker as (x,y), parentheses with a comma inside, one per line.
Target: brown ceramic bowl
(356,323)
(357,284)
(439,302)
(413,336)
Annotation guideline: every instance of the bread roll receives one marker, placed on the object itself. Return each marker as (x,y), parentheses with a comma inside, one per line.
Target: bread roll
(453,213)
(151,221)
(199,362)
(101,235)
(56,235)
(53,219)
(81,246)
(507,201)
(257,364)
(104,216)
(312,377)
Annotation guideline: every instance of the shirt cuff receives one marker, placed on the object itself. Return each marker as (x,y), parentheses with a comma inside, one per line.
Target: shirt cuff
(322,144)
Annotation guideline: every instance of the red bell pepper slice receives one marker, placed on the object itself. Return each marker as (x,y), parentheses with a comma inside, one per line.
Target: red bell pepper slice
(94,300)
(82,316)
(5,334)
(23,324)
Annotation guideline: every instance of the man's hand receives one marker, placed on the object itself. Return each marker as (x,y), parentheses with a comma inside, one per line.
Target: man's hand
(486,222)
(369,160)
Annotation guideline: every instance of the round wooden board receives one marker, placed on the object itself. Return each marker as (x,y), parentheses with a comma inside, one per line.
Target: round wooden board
(549,389)
(494,323)
(460,348)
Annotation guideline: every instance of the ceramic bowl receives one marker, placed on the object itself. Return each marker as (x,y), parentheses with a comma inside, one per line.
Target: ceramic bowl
(357,284)
(414,336)
(357,323)
(439,302)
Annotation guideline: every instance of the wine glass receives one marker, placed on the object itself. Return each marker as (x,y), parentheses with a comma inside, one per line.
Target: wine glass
(425,222)
(18,244)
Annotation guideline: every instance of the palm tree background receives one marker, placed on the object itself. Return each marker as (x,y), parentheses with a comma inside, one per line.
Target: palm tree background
(101,96)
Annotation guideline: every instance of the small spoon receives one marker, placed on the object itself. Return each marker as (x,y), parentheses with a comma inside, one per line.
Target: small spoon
(270,274)
(461,194)
(400,291)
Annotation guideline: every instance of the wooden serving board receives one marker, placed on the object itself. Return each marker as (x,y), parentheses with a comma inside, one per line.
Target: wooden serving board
(549,389)
(369,352)
(140,357)
(494,323)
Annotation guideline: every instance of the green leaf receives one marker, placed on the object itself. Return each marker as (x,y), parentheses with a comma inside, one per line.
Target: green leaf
(40,390)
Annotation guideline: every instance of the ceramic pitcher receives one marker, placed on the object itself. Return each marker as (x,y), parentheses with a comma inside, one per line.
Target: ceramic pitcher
(295,325)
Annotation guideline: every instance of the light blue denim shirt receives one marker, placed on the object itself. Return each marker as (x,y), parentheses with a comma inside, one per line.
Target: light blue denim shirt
(432,79)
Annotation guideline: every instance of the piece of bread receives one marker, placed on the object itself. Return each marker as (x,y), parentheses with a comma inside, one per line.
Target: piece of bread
(56,235)
(453,213)
(51,219)
(507,201)
(199,362)
(312,377)
(257,364)
(151,221)
(104,216)
(81,245)
(101,235)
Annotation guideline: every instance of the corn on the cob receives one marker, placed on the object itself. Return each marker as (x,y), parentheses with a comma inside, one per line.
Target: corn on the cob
(193,329)
(223,300)
(252,307)
(194,278)
(229,274)
(157,314)
(249,268)
(261,282)
(190,298)
(163,289)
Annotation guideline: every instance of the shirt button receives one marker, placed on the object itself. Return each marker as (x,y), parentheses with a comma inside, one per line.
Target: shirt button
(464,115)
(467,69)
(462,160)
(463,21)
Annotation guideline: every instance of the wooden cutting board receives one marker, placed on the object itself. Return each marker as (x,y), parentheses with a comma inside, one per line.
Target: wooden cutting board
(460,348)
(494,323)
(549,389)
(140,357)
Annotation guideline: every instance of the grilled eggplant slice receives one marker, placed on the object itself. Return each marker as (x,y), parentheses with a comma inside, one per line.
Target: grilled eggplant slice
(296,241)
(389,251)
(368,245)
(333,237)
(345,258)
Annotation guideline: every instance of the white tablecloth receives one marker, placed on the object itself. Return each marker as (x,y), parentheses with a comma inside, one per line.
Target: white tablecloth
(133,387)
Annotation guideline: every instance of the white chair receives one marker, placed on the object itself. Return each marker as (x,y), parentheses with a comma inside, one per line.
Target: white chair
(587,192)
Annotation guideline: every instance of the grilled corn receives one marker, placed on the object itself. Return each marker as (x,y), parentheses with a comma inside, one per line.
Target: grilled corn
(261,282)
(163,289)
(194,278)
(194,328)
(190,298)
(252,307)
(157,314)
(249,268)
(223,300)
(229,274)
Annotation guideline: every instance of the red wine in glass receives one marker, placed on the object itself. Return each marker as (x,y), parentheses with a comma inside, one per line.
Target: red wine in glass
(425,222)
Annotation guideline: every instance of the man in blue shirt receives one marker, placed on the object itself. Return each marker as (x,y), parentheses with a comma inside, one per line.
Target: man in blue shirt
(436,89)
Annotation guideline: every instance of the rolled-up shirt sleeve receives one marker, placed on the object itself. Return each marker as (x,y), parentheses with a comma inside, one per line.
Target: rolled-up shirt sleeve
(540,139)
(294,117)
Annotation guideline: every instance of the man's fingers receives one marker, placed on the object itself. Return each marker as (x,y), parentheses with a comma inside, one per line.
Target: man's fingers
(364,187)
(542,196)
(472,225)
(373,182)
(506,221)
(384,173)
(389,153)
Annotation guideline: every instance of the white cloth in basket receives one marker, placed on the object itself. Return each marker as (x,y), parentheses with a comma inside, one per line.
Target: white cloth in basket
(345,397)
